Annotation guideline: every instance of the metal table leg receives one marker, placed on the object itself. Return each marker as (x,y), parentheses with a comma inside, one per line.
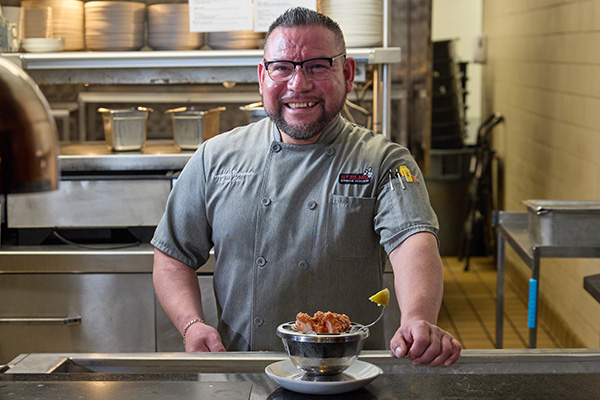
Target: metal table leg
(533,299)
(500,290)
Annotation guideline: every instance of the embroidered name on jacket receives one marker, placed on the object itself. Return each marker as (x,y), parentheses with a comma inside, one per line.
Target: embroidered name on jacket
(363,178)
(233,176)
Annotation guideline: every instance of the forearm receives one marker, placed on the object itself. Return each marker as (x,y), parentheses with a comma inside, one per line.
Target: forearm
(177,290)
(418,278)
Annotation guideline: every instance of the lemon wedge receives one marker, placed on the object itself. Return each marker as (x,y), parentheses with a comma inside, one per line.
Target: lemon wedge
(381,298)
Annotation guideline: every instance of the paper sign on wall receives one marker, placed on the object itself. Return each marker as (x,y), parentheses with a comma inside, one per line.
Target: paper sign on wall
(238,15)
(220,15)
(266,11)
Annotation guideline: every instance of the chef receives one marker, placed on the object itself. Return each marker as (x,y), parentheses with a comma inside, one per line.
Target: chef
(302,210)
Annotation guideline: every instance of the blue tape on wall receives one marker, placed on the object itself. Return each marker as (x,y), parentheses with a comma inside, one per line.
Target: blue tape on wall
(532,303)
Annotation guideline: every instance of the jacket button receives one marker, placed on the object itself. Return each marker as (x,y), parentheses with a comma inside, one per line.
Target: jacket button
(312,205)
(260,261)
(330,151)
(258,321)
(303,265)
(265,201)
(276,147)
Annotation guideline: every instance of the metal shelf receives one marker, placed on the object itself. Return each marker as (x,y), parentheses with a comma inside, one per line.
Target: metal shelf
(190,67)
(148,60)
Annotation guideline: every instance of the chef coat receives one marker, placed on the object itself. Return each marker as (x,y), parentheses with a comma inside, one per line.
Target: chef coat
(295,228)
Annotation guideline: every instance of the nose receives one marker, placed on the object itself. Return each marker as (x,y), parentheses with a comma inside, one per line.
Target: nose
(299,81)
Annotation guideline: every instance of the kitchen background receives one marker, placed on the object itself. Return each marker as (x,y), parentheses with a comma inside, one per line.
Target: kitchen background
(541,72)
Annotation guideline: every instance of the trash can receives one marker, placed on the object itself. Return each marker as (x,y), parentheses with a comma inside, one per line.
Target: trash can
(447,183)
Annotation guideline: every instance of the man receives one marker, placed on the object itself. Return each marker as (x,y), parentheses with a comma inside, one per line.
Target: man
(301,209)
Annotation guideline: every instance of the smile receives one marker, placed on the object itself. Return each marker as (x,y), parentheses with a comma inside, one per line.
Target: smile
(301,105)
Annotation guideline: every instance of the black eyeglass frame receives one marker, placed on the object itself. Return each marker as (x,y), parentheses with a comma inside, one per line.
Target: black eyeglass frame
(330,60)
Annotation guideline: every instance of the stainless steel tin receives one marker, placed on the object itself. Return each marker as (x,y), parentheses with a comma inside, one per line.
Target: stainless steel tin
(255,111)
(192,126)
(322,354)
(125,129)
(563,222)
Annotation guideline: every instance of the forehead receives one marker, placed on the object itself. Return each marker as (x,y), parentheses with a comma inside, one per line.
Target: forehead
(300,43)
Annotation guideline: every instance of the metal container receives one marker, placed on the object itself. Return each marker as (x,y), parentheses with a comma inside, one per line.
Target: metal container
(255,111)
(125,129)
(192,126)
(564,223)
(322,354)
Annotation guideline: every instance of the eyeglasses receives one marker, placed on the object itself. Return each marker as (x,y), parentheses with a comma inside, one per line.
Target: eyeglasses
(315,68)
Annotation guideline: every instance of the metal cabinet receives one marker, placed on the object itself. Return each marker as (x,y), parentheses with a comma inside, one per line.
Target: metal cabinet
(76,313)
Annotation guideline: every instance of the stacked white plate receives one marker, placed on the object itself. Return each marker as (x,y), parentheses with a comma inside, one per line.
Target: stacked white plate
(114,25)
(235,40)
(360,20)
(169,28)
(67,20)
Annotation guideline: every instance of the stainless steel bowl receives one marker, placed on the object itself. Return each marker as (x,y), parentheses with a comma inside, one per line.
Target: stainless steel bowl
(322,353)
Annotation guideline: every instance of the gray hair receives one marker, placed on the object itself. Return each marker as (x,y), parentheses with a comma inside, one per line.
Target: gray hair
(300,16)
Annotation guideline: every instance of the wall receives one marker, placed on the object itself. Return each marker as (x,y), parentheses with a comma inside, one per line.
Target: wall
(461,20)
(543,75)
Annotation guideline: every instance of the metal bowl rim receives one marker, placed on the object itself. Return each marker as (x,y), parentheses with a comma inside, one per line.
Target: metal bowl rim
(356,333)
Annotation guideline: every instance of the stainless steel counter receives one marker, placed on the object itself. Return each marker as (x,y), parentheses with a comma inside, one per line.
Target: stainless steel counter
(490,374)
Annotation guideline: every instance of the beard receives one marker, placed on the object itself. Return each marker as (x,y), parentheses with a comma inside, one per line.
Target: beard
(304,131)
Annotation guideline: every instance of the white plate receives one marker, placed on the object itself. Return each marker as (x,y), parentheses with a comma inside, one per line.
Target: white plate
(42,45)
(286,374)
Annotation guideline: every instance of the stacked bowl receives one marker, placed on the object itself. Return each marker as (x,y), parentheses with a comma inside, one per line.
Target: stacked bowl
(360,20)
(169,28)
(114,25)
(37,22)
(235,40)
(66,18)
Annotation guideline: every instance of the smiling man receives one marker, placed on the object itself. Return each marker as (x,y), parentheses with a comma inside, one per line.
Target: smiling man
(302,209)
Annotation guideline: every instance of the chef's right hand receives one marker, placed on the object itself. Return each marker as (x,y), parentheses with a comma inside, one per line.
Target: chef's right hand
(201,337)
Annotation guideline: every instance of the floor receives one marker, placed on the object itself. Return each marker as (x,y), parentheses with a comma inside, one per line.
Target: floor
(469,307)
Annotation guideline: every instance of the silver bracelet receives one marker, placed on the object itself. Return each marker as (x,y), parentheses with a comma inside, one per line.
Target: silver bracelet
(192,322)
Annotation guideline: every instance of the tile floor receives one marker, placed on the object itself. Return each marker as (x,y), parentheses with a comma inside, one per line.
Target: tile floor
(469,307)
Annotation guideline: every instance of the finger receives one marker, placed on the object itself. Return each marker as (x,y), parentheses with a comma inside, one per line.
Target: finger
(431,351)
(423,339)
(445,353)
(456,349)
(398,345)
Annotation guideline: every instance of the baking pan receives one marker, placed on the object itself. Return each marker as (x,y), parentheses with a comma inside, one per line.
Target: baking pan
(192,126)
(564,222)
(125,128)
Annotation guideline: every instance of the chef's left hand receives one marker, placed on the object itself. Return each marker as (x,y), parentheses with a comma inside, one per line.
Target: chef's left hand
(425,344)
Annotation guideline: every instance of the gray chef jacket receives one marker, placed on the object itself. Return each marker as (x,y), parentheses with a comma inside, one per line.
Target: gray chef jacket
(295,228)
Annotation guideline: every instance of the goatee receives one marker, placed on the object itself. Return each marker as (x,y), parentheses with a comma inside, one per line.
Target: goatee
(303,131)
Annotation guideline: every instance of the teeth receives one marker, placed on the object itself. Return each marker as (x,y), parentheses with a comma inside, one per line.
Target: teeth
(301,105)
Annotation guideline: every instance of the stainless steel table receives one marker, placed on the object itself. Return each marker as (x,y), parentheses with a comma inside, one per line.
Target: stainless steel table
(513,229)
(478,374)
